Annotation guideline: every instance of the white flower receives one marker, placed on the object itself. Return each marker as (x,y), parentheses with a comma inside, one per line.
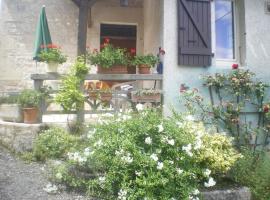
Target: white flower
(148,140)
(87,151)
(119,153)
(207,172)
(179,124)
(127,158)
(122,194)
(196,192)
(138,173)
(171,142)
(160,128)
(154,157)
(59,176)
(171,162)
(187,149)
(211,182)
(50,188)
(179,171)
(102,179)
(139,106)
(190,118)
(160,165)
(99,143)
(198,144)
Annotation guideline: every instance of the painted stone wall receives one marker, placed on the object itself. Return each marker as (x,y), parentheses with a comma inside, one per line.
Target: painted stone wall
(257,50)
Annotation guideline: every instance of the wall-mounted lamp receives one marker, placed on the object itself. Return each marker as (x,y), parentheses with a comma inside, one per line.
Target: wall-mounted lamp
(123,3)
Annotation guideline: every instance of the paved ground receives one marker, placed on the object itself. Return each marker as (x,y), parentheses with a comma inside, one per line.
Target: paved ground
(21,181)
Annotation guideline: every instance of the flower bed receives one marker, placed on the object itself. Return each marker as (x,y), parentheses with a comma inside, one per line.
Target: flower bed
(146,156)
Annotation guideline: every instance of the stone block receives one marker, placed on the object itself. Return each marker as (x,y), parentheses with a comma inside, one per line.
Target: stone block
(229,194)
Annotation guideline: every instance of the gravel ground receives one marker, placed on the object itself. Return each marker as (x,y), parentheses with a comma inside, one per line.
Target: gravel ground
(21,181)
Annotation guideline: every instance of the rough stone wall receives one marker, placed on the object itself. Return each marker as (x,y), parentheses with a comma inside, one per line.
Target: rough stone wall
(18,21)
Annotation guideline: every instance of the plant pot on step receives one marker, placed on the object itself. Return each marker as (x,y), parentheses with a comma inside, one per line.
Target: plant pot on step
(93,95)
(144,69)
(116,69)
(52,67)
(30,115)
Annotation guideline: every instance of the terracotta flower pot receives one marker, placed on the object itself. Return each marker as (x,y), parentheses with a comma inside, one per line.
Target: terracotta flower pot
(144,69)
(52,67)
(146,98)
(117,69)
(30,115)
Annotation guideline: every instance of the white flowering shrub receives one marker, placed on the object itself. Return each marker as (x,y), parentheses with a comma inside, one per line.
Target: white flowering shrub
(146,156)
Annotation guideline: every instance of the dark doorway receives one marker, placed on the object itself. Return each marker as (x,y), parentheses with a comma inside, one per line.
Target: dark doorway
(122,36)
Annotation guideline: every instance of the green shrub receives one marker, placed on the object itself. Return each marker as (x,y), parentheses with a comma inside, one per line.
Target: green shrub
(29,98)
(53,143)
(52,55)
(108,57)
(149,60)
(146,156)
(253,171)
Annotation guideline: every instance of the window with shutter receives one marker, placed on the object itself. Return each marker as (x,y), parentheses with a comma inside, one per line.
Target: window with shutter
(194,32)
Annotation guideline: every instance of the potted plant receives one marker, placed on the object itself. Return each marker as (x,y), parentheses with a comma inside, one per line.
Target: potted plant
(9,108)
(53,56)
(29,101)
(146,95)
(144,63)
(99,91)
(110,60)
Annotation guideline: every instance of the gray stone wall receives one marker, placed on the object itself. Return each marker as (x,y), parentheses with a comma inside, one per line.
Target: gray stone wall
(18,21)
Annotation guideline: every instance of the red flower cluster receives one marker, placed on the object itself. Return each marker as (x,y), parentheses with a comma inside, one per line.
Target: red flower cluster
(161,51)
(106,40)
(266,108)
(132,51)
(50,46)
(235,66)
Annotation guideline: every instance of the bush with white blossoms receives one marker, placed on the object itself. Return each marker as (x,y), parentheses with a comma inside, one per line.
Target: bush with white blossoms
(147,156)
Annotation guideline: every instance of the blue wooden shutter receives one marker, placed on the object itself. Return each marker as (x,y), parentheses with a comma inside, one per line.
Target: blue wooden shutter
(194,32)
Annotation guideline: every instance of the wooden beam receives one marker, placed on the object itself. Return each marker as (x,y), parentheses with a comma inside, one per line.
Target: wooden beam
(82,28)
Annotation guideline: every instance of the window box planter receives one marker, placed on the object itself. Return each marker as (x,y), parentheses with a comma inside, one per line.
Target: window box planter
(117,69)
(145,97)
(11,112)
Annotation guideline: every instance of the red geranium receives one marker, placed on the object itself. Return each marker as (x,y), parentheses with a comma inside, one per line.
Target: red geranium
(107,40)
(266,108)
(133,51)
(53,46)
(235,66)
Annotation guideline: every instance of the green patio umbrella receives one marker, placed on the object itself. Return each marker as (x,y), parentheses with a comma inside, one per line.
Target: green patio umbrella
(43,37)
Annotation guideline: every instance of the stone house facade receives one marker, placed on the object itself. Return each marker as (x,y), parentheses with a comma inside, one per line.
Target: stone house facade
(199,36)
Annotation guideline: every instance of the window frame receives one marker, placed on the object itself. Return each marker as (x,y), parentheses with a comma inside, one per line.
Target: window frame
(227,62)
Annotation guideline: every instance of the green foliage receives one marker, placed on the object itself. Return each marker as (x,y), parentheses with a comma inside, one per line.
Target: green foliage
(232,96)
(253,171)
(108,57)
(148,60)
(29,98)
(144,155)
(53,55)
(70,96)
(53,143)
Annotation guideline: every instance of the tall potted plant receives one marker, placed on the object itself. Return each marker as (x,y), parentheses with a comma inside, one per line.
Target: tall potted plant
(110,60)
(29,101)
(53,56)
(144,63)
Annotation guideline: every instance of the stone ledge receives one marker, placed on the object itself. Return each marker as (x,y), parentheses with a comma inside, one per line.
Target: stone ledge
(229,194)
(18,137)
